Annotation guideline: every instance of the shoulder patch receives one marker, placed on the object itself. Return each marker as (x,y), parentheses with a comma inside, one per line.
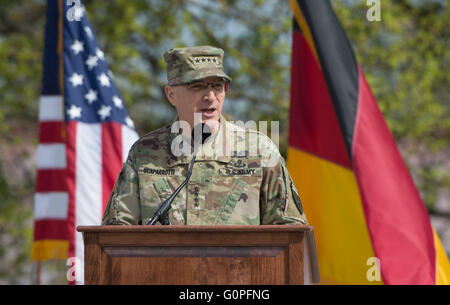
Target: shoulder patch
(296,198)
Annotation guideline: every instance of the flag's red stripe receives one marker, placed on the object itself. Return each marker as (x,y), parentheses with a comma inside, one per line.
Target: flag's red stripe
(313,126)
(51,180)
(397,220)
(111,158)
(71,129)
(51,229)
(51,132)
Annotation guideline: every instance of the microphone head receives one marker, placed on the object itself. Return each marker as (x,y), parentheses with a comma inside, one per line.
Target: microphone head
(201,132)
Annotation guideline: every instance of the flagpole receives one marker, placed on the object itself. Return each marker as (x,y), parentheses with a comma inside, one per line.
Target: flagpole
(38,273)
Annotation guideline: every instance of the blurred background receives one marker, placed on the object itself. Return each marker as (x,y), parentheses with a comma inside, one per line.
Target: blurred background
(405,58)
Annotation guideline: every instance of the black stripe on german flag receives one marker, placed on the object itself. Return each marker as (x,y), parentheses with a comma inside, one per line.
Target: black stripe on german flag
(338,63)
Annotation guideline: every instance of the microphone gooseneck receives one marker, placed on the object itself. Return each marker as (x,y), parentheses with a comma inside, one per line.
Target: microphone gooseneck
(162,211)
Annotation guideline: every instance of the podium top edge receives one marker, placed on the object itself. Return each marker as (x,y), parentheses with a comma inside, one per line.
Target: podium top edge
(197,228)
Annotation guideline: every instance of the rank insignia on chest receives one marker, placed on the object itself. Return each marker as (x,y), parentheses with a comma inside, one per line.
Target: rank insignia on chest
(239,164)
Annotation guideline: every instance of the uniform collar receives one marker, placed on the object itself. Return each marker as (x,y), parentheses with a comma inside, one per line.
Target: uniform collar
(212,150)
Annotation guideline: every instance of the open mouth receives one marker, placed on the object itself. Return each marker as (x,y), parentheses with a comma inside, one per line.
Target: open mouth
(208,110)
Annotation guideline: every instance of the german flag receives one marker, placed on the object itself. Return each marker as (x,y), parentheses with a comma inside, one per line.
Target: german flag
(370,223)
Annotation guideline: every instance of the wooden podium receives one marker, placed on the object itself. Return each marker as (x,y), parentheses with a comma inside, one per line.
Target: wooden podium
(199,255)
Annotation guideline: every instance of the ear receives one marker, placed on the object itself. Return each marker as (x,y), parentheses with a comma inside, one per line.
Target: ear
(170,94)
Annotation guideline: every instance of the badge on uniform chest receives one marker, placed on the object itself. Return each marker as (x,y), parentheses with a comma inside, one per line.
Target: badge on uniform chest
(239,164)
(239,168)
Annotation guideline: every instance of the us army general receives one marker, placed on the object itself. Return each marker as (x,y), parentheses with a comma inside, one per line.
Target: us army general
(239,176)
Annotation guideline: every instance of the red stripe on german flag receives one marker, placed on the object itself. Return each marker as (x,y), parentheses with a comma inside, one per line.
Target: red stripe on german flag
(396,217)
(318,131)
(357,192)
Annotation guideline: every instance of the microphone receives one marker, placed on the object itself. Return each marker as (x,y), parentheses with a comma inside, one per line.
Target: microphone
(162,211)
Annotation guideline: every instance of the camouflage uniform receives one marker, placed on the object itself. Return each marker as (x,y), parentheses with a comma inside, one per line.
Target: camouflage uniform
(239,176)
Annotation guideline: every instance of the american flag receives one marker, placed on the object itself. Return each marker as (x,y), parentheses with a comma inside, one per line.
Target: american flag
(85,134)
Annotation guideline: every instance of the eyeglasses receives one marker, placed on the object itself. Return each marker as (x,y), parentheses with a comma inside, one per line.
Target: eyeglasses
(216,86)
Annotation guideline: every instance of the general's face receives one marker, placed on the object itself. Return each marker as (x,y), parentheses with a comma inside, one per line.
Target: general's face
(205,96)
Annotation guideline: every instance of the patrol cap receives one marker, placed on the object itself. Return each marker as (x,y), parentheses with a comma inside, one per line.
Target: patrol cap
(184,65)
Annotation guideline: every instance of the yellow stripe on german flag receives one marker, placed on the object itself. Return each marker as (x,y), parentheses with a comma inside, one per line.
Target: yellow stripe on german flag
(335,211)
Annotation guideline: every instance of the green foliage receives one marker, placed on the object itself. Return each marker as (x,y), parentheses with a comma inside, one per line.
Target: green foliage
(15,231)
(256,44)
(405,58)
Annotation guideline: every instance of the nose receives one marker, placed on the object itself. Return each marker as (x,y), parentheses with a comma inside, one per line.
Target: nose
(209,93)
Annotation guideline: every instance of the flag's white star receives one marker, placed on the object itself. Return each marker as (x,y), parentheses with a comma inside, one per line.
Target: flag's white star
(129,121)
(78,12)
(100,54)
(74,112)
(91,62)
(117,102)
(91,96)
(104,80)
(89,32)
(77,47)
(104,112)
(76,79)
